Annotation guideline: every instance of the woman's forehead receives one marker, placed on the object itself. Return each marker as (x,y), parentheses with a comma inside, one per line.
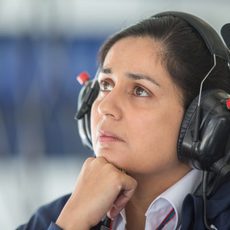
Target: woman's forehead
(135,49)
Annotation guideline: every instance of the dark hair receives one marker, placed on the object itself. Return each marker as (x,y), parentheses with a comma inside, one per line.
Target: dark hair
(185,55)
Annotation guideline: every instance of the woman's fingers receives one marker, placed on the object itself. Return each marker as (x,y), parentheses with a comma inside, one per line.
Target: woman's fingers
(128,188)
(99,187)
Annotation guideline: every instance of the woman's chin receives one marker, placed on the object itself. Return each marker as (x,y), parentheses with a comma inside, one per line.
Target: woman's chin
(111,159)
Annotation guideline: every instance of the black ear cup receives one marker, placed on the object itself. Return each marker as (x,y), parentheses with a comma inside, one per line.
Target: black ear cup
(214,132)
(190,114)
(84,122)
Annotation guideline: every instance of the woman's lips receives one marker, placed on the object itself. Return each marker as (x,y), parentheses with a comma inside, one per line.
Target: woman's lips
(104,136)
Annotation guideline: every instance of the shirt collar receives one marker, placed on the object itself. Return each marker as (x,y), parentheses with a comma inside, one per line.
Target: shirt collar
(176,193)
(174,196)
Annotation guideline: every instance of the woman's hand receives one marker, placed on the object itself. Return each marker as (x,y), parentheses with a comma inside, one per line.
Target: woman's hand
(101,188)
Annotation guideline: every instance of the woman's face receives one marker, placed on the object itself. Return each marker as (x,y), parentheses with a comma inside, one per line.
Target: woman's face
(137,115)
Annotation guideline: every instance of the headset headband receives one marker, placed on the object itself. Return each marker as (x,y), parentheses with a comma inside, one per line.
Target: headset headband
(209,35)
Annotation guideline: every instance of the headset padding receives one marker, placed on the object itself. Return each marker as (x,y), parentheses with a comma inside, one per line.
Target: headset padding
(189,113)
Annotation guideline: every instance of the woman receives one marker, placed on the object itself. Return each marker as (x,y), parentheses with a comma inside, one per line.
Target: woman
(149,74)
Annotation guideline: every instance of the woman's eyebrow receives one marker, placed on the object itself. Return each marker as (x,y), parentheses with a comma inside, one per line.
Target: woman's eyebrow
(133,76)
(137,76)
(106,70)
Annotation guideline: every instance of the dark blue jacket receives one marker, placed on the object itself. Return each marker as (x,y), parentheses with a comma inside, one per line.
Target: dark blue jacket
(218,212)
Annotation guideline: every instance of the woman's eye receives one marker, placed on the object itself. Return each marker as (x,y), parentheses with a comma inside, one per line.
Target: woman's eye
(140,92)
(105,86)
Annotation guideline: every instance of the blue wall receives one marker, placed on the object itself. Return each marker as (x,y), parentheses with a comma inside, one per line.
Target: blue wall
(38,93)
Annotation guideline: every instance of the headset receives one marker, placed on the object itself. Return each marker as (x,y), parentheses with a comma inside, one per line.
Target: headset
(204,137)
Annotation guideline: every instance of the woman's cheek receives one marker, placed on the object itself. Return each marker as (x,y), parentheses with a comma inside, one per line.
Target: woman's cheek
(93,121)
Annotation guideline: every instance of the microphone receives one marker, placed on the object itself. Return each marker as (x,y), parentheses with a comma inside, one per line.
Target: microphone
(225,33)
(90,95)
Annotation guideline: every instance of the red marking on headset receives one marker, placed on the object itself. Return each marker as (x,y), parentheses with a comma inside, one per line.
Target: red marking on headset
(228,103)
(83,78)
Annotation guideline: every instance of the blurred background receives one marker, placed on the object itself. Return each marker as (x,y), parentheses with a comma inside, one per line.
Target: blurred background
(43,46)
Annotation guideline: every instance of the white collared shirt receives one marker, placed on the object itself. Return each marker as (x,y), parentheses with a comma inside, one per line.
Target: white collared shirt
(173,197)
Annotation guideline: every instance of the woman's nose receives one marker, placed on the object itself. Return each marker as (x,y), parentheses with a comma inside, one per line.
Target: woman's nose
(111,104)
